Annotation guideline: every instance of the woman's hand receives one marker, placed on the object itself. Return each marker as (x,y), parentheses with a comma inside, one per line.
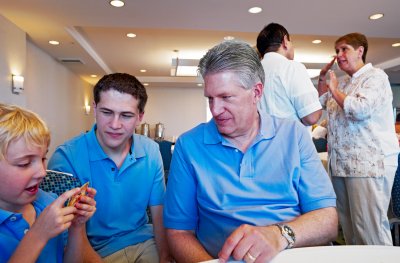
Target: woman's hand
(322,85)
(324,70)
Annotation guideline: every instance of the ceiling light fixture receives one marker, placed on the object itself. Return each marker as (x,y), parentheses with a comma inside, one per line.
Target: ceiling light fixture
(143,70)
(117,3)
(255,10)
(375,16)
(54,42)
(93,76)
(227,38)
(316,41)
(131,35)
(145,84)
(184,67)
(396,44)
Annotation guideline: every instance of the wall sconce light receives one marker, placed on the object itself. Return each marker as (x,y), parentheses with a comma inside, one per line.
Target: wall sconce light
(87,109)
(17,84)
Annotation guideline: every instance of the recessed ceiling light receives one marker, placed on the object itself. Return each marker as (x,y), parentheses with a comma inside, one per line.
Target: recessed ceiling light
(117,3)
(143,70)
(375,16)
(131,35)
(93,76)
(396,44)
(255,10)
(54,42)
(316,41)
(229,38)
(145,84)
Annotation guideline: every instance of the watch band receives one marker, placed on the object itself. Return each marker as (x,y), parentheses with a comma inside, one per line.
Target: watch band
(288,233)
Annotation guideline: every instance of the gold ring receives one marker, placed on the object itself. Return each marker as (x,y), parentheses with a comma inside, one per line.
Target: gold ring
(250,256)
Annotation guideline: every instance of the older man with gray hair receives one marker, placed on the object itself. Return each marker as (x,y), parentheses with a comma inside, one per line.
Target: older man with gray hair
(245,185)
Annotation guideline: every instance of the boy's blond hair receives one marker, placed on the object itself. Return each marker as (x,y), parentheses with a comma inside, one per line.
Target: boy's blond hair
(16,122)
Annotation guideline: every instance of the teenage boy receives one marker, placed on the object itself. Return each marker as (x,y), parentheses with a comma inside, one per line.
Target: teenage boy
(127,171)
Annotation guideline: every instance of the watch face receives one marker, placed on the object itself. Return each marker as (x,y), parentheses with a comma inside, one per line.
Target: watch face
(289,231)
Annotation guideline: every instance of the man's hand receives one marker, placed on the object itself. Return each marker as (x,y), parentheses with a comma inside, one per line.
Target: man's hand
(253,244)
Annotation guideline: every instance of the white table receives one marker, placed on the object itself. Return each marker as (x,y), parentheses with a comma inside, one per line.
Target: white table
(340,254)
(336,254)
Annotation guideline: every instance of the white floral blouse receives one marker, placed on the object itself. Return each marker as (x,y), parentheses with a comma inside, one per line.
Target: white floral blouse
(361,137)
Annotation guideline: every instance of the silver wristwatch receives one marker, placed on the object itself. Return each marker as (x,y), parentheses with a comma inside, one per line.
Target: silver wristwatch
(288,234)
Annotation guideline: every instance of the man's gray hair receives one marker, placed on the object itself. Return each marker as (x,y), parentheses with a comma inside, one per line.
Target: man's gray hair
(234,56)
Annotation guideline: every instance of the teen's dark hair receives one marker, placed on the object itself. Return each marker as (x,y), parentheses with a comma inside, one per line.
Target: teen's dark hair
(124,83)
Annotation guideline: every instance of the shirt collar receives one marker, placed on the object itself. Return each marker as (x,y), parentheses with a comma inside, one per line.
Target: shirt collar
(38,204)
(274,54)
(4,215)
(362,70)
(97,153)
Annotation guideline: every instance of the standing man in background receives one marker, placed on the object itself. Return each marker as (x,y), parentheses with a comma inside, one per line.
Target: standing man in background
(127,171)
(289,92)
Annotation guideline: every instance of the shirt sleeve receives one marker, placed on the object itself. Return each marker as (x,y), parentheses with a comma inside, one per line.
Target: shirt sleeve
(158,188)
(61,162)
(304,95)
(180,208)
(314,187)
(368,98)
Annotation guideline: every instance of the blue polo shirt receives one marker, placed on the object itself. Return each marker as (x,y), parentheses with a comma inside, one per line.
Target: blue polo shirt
(123,194)
(213,187)
(13,228)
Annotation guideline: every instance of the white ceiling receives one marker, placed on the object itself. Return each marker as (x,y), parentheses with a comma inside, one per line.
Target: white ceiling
(94,32)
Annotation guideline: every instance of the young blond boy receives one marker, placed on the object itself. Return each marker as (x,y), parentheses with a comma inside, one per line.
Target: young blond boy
(31,220)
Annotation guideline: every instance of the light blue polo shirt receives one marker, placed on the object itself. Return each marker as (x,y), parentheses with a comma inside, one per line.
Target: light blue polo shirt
(213,187)
(13,228)
(122,194)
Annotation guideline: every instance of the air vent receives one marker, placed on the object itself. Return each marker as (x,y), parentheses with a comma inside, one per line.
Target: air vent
(71,60)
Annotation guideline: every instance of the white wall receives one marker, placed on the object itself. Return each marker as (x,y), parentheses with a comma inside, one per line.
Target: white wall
(12,60)
(51,90)
(57,95)
(179,109)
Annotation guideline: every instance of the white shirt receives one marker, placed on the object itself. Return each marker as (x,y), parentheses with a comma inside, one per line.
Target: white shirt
(288,90)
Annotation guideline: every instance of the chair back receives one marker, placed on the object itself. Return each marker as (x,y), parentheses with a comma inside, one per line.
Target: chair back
(166,154)
(396,192)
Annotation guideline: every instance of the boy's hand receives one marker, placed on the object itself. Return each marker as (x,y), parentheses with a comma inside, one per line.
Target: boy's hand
(86,207)
(55,218)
